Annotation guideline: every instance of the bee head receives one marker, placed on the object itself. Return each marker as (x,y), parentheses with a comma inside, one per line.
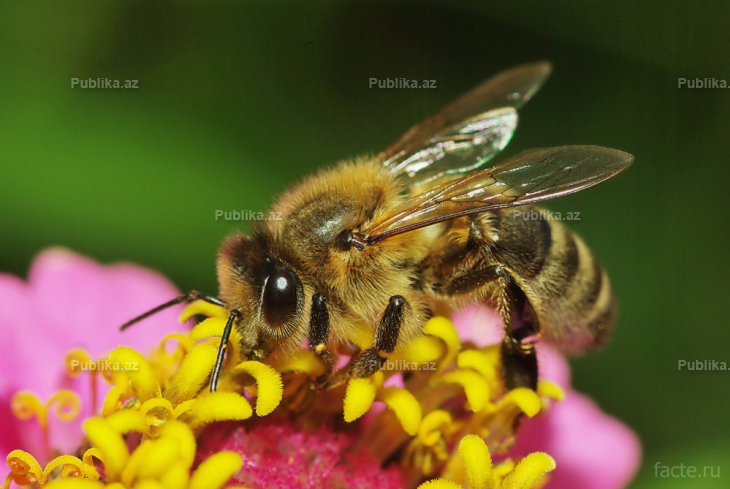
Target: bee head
(267,291)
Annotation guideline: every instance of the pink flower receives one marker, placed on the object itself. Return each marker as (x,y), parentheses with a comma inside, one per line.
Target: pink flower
(277,455)
(591,448)
(68,302)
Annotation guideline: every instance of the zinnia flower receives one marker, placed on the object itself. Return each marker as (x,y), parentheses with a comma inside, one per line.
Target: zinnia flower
(437,416)
(69,303)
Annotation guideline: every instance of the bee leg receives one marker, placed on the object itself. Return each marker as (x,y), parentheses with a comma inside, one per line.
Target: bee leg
(234,314)
(386,339)
(319,330)
(519,360)
(190,296)
(519,363)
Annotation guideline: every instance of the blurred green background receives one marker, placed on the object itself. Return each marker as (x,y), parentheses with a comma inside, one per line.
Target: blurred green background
(238,100)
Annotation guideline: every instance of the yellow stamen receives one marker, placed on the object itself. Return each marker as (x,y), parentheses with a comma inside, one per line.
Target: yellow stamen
(530,471)
(217,406)
(482,362)
(475,387)
(526,399)
(184,345)
(444,329)
(440,484)
(548,389)
(268,385)
(422,350)
(359,396)
(111,445)
(24,469)
(70,467)
(26,405)
(156,412)
(138,370)
(75,361)
(216,470)
(302,361)
(202,308)
(432,426)
(192,375)
(476,460)
(75,484)
(405,405)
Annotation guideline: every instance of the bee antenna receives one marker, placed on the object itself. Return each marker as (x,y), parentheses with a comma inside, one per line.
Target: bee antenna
(190,296)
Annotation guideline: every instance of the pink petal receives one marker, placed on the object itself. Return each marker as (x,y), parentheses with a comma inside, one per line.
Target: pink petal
(70,302)
(478,324)
(590,448)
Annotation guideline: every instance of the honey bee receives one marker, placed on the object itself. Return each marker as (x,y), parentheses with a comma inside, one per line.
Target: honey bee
(384,240)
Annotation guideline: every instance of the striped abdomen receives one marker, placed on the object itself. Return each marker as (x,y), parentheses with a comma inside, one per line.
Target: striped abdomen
(566,285)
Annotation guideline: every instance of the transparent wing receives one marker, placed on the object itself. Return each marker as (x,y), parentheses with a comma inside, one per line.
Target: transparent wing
(532,176)
(468,132)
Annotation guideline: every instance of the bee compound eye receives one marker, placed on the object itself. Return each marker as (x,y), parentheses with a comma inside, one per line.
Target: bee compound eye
(280,300)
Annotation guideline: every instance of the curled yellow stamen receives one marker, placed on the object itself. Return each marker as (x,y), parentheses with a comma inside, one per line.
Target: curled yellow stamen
(138,371)
(25,405)
(156,412)
(202,308)
(432,426)
(71,467)
(526,399)
(444,329)
(77,361)
(24,467)
(111,445)
(405,405)
(268,385)
(301,361)
(184,345)
(475,387)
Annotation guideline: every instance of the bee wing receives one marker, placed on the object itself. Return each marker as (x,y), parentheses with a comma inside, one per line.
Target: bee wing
(468,132)
(531,176)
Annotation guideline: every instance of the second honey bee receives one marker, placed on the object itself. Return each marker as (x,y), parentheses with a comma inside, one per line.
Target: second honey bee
(386,240)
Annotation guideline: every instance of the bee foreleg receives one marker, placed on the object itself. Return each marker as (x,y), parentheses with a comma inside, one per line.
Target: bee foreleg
(386,339)
(234,314)
(319,330)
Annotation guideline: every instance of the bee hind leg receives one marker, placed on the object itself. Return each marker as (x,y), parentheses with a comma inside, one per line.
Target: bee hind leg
(518,356)
(386,339)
